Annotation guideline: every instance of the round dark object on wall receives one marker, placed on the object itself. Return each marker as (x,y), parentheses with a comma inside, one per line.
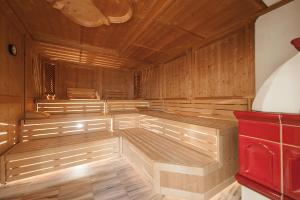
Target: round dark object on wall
(12,49)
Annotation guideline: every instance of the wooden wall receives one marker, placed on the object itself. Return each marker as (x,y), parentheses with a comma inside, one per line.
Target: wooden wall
(221,68)
(14,98)
(11,83)
(104,80)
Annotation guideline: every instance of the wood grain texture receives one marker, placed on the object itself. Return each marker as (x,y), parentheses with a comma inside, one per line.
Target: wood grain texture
(219,69)
(168,165)
(61,107)
(57,127)
(174,28)
(12,82)
(107,180)
(205,107)
(45,155)
(109,83)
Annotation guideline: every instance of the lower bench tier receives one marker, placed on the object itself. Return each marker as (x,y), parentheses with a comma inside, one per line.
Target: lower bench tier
(19,165)
(193,183)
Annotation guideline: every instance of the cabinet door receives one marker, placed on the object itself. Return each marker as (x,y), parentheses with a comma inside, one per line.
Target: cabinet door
(291,168)
(260,161)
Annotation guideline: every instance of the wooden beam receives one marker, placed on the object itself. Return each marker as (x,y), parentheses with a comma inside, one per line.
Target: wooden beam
(259,3)
(271,8)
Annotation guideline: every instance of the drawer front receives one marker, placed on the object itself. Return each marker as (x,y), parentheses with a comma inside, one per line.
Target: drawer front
(260,161)
(291,168)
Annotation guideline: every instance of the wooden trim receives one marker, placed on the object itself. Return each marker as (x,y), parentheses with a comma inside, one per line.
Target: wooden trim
(271,8)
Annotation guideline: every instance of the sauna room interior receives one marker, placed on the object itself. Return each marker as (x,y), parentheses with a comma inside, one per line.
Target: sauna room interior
(149,99)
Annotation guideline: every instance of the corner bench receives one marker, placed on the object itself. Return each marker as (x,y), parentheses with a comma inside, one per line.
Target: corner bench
(56,143)
(193,159)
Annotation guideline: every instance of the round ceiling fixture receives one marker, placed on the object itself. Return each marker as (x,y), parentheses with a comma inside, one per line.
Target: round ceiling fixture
(12,49)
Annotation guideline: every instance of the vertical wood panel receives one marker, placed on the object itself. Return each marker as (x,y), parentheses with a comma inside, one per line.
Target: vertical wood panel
(223,68)
(103,80)
(12,82)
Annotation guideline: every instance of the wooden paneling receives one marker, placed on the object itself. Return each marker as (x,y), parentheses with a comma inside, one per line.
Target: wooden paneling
(109,83)
(12,82)
(223,68)
(151,82)
(175,25)
(117,82)
(176,78)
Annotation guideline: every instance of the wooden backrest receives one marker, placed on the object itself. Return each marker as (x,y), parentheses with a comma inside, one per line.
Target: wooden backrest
(126,121)
(81,93)
(204,107)
(56,127)
(8,136)
(125,105)
(201,139)
(114,94)
(71,106)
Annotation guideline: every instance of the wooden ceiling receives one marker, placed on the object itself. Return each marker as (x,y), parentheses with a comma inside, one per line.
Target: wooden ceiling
(158,31)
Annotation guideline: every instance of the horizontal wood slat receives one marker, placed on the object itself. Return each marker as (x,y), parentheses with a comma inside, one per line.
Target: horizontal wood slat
(81,93)
(46,155)
(195,137)
(38,129)
(123,105)
(205,107)
(72,106)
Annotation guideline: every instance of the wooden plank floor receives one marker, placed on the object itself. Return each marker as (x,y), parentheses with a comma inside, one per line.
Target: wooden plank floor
(109,180)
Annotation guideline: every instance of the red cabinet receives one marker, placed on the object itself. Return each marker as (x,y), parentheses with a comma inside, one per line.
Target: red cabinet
(269,153)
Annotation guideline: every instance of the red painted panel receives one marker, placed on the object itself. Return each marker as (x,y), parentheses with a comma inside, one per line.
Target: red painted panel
(291,119)
(259,125)
(291,129)
(260,161)
(291,168)
(291,135)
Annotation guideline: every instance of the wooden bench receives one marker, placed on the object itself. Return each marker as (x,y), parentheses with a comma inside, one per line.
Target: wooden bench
(63,126)
(194,159)
(219,108)
(117,106)
(81,93)
(115,94)
(56,143)
(71,106)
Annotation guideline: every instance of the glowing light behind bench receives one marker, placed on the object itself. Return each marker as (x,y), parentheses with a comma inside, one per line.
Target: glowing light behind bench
(38,130)
(71,107)
(7,136)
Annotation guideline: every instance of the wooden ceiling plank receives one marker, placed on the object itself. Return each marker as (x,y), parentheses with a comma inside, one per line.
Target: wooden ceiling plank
(156,10)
